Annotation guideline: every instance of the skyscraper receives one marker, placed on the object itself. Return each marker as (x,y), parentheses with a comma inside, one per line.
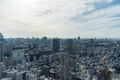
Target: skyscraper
(1,46)
(64,63)
(70,46)
(56,45)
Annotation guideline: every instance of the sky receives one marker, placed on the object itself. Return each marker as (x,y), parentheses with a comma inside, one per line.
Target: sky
(60,18)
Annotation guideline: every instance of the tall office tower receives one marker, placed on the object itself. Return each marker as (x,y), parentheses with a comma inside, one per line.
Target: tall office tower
(78,38)
(56,45)
(1,46)
(44,40)
(0,71)
(7,49)
(64,63)
(70,46)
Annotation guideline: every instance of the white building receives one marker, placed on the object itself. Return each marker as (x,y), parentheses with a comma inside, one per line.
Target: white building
(18,54)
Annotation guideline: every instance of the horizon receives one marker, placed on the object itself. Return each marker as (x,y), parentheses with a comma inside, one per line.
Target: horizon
(62,18)
(62,37)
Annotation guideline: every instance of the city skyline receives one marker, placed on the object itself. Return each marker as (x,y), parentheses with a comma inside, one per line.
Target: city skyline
(60,18)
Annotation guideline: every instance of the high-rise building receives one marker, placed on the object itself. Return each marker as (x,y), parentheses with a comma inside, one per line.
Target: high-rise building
(7,49)
(1,46)
(79,38)
(56,45)
(44,40)
(70,46)
(64,63)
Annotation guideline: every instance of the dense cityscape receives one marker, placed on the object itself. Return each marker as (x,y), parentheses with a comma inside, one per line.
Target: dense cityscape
(59,59)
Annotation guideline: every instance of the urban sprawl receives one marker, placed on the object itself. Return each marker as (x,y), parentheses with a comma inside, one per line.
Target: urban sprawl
(59,59)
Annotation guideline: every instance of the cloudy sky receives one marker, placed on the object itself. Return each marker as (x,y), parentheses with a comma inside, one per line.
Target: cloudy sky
(60,18)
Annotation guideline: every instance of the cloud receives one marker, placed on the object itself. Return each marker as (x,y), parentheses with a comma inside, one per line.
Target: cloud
(100,17)
(109,1)
(62,18)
